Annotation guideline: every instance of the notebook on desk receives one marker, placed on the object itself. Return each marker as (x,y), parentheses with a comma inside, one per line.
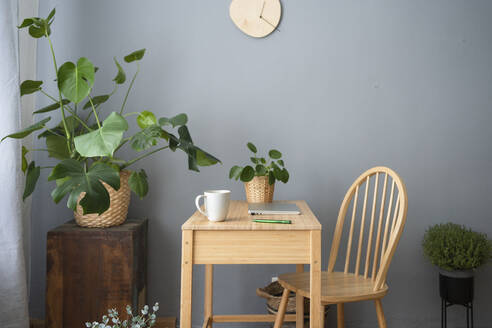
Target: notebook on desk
(273,208)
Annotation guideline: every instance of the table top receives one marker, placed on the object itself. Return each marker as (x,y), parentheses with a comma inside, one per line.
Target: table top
(239,219)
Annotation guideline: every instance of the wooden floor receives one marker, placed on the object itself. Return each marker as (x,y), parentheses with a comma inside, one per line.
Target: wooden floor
(163,322)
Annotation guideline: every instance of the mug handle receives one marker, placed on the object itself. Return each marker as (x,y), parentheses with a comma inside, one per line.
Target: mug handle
(197,203)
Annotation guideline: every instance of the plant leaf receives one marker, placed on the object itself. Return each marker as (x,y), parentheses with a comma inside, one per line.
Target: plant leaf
(39,28)
(277,172)
(284,174)
(205,159)
(146,119)
(30,86)
(23,159)
(51,15)
(281,162)
(27,131)
(247,174)
(260,170)
(138,183)
(254,160)
(275,154)
(252,147)
(186,145)
(235,172)
(31,179)
(178,120)
(103,141)
(263,160)
(173,141)
(96,198)
(120,77)
(136,55)
(271,177)
(146,138)
(25,23)
(97,100)
(57,147)
(75,81)
(51,107)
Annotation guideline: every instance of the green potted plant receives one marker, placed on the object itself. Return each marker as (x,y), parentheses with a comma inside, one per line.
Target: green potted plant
(259,179)
(86,142)
(144,319)
(457,251)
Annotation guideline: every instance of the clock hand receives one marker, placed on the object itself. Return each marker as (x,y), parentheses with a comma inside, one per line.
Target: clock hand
(262,8)
(261,17)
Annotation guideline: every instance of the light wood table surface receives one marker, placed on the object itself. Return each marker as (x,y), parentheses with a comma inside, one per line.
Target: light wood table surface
(239,240)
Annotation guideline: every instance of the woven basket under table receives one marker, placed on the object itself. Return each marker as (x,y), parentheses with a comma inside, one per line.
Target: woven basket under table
(273,294)
(259,190)
(118,209)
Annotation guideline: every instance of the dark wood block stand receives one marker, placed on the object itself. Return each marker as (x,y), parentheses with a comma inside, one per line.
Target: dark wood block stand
(90,270)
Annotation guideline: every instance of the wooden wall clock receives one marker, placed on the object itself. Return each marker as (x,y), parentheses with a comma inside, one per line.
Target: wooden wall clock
(256,18)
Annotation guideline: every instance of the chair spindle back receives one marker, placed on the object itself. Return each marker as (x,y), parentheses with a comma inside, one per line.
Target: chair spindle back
(380,238)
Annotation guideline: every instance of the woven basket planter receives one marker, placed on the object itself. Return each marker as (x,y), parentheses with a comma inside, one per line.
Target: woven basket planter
(273,294)
(259,190)
(118,209)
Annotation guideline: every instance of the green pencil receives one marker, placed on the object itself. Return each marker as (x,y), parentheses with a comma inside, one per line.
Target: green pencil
(272,221)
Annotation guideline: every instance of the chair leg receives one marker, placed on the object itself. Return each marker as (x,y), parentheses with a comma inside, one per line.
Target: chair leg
(340,316)
(380,313)
(279,320)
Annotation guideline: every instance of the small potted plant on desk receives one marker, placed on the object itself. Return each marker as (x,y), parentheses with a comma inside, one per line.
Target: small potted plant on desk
(259,179)
(457,251)
(85,142)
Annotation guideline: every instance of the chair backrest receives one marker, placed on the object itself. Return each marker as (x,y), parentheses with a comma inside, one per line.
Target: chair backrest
(377,241)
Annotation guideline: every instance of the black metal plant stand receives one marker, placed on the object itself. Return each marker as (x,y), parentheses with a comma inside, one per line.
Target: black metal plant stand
(456,291)
(469,313)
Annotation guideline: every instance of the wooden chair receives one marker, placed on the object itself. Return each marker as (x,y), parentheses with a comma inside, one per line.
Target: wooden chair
(386,224)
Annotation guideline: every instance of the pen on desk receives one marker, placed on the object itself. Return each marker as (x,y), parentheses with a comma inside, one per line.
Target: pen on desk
(272,221)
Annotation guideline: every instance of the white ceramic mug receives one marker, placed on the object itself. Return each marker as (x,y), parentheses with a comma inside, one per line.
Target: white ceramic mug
(216,204)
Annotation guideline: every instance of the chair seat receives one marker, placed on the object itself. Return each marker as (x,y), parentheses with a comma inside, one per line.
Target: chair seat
(336,287)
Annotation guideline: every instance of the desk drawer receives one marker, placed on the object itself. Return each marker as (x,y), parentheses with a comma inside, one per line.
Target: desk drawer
(251,247)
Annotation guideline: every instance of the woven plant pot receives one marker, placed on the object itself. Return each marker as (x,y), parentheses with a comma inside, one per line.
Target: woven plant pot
(116,213)
(259,190)
(273,294)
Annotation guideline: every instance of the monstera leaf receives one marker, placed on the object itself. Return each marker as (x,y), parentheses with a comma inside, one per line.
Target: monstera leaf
(196,156)
(57,147)
(120,77)
(146,138)
(178,120)
(138,183)
(32,177)
(136,55)
(51,107)
(77,180)
(103,141)
(27,131)
(75,81)
(205,159)
(29,86)
(97,100)
(146,119)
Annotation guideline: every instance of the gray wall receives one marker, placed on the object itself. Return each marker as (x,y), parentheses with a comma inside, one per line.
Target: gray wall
(345,85)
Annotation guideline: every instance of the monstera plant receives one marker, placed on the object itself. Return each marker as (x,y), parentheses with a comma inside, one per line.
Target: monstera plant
(86,141)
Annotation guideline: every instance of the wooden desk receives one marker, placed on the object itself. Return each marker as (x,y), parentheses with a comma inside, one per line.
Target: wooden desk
(238,240)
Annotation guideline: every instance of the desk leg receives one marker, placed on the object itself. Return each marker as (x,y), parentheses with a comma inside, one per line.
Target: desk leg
(186,278)
(299,303)
(315,280)
(209,292)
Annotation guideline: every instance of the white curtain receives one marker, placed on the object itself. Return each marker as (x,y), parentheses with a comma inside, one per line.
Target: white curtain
(13,286)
